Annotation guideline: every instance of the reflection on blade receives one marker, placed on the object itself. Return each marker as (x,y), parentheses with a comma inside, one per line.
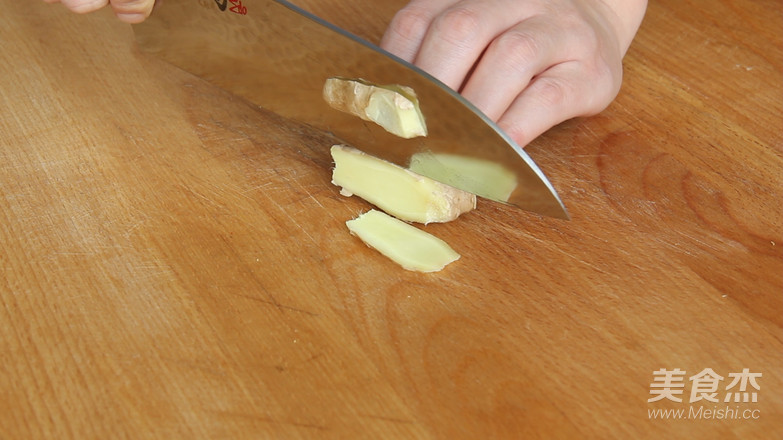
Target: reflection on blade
(481,177)
(279,57)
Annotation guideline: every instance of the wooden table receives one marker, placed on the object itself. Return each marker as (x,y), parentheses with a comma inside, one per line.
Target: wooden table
(175,262)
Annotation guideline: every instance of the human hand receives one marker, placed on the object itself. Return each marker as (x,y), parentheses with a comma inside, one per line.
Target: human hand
(129,11)
(527,64)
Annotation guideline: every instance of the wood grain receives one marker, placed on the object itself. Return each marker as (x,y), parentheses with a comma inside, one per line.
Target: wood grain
(175,262)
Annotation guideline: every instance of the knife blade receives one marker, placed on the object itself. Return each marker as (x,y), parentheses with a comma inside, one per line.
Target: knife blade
(278,56)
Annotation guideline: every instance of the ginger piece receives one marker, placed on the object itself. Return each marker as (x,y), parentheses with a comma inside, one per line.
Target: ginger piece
(397,191)
(393,107)
(406,245)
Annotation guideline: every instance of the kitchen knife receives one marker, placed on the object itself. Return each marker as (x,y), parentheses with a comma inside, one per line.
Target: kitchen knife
(278,57)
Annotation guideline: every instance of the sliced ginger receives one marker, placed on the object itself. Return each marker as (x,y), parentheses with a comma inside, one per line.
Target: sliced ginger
(397,191)
(408,246)
(393,107)
(402,193)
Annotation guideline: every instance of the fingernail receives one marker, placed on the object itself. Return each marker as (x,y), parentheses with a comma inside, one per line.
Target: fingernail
(131,17)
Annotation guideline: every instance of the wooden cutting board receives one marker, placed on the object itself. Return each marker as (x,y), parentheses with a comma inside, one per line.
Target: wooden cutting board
(175,262)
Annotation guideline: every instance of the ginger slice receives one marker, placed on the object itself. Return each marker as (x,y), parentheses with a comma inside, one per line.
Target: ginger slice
(406,245)
(397,191)
(393,107)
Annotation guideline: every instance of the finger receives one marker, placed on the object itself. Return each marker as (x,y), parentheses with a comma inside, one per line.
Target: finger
(132,11)
(512,60)
(560,93)
(457,37)
(407,29)
(84,6)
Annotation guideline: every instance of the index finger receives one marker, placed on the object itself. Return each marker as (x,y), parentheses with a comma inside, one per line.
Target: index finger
(407,29)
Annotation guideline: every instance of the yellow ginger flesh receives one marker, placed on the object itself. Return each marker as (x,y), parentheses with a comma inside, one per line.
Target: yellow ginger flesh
(406,245)
(395,190)
(393,107)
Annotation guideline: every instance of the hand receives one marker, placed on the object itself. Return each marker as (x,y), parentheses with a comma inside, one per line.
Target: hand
(129,11)
(527,64)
